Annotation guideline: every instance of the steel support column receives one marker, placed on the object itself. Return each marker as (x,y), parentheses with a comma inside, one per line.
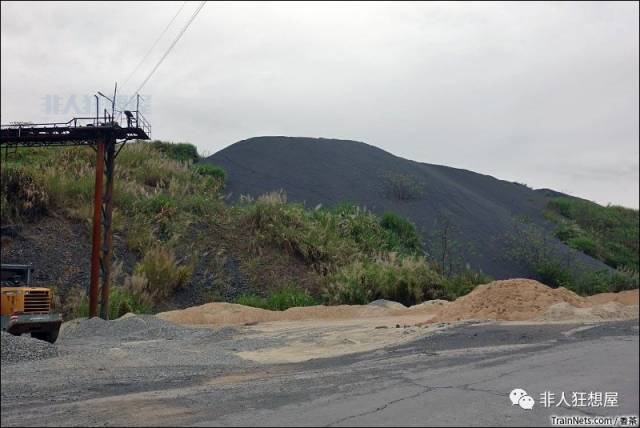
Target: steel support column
(95,249)
(107,248)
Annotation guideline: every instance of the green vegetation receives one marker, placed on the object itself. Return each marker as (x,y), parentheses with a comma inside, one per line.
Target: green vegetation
(162,274)
(120,303)
(402,233)
(287,297)
(530,246)
(408,280)
(184,152)
(177,232)
(404,187)
(327,238)
(211,171)
(610,234)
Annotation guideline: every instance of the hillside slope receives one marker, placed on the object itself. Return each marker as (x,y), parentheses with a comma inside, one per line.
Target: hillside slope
(465,217)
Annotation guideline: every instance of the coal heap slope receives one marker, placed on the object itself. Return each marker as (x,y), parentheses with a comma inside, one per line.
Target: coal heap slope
(482,210)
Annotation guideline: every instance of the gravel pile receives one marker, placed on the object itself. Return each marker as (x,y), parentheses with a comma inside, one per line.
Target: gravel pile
(137,328)
(25,348)
(128,328)
(387,304)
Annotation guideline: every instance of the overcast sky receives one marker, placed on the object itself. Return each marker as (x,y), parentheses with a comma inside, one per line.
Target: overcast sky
(540,93)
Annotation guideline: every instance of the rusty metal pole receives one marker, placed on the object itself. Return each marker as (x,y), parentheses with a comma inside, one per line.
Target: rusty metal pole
(95,250)
(107,248)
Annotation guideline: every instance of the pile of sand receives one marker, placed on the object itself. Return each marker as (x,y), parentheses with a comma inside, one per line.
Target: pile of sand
(233,314)
(629,297)
(606,312)
(508,300)
(525,299)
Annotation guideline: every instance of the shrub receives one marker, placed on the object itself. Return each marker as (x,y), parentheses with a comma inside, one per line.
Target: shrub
(252,300)
(307,235)
(408,280)
(209,170)
(404,187)
(464,282)
(607,233)
(160,203)
(403,234)
(280,300)
(25,197)
(584,244)
(289,297)
(121,301)
(554,274)
(177,151)
(164,275)
(137,286)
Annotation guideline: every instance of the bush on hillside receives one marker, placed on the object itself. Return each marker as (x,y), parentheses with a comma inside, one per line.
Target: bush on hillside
(162,273)
(178,151)
(280,300)
(609,233)
(404,187)
(23,197)
(209,170)
(464,282)
(403,234)
(327,238)
(408,280)
(121,301)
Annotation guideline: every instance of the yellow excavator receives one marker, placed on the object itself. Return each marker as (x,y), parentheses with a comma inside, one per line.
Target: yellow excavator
(26,309)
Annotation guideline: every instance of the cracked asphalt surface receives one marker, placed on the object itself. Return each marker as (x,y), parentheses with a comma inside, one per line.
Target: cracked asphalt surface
(458,377)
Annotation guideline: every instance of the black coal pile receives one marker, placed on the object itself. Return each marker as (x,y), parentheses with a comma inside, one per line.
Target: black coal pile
(479,214)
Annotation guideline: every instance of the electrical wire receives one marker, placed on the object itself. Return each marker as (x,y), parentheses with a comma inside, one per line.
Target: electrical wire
(164,56)
(153,45)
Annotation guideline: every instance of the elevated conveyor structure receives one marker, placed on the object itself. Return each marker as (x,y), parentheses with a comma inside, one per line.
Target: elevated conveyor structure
(104,134)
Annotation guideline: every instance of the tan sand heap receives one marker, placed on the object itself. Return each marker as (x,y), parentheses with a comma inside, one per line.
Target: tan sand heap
(525,299)
(232,314)
(507,300)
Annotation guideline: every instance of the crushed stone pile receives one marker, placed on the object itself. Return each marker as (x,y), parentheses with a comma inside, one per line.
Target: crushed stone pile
(526,299)
(127,328)
(25,348)
(387,304)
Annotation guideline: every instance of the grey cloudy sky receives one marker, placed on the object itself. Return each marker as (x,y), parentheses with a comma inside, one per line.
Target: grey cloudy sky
(540,93)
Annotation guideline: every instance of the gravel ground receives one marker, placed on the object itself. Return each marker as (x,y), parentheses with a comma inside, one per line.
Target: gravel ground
(24,348)
(195,378)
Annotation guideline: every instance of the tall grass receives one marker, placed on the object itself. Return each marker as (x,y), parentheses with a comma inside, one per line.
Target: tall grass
(610,234)
(287,297)
(408,280)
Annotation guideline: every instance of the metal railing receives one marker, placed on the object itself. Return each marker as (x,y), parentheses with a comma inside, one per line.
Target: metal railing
(136,120)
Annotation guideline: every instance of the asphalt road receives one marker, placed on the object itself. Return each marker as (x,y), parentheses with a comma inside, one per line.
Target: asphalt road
(460,377)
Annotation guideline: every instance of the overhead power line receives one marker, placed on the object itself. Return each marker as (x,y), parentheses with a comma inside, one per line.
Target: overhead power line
(137,67)
(180,34)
